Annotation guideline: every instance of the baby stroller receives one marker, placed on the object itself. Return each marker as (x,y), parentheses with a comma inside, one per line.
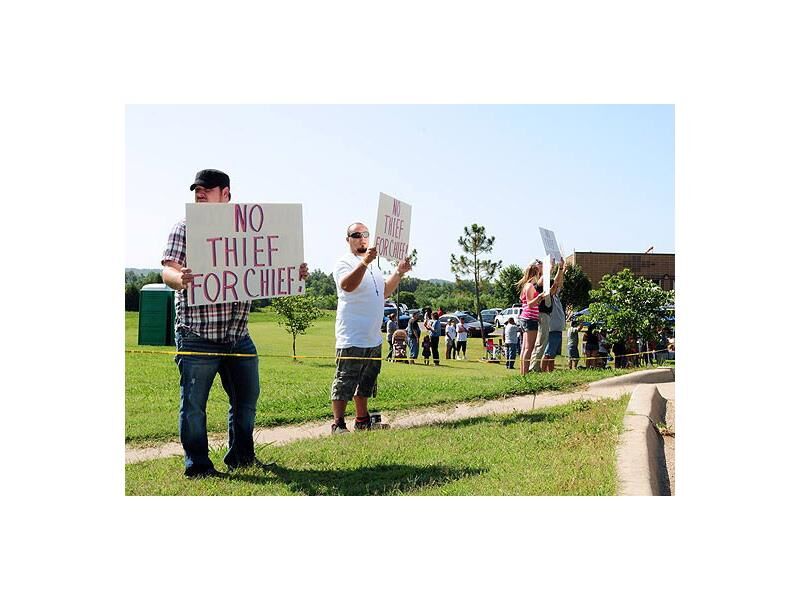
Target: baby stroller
(400,349)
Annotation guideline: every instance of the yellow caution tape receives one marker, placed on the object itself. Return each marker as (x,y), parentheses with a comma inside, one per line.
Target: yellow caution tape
(498,359)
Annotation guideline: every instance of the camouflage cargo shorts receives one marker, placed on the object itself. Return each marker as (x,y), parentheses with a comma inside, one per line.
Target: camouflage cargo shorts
(356,377)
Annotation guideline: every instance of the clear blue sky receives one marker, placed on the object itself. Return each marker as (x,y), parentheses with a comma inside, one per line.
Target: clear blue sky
(600,176)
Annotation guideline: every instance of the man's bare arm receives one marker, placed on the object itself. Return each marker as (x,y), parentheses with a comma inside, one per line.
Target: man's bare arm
(353,280)
(176,276)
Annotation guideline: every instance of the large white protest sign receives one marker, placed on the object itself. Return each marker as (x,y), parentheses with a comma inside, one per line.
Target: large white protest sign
(550,244)
(241,252)
(393,229)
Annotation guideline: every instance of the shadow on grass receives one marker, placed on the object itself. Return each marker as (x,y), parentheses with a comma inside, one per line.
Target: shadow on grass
(363,481)
(527,417)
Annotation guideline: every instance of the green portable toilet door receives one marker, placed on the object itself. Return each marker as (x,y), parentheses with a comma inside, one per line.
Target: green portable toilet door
(156,315)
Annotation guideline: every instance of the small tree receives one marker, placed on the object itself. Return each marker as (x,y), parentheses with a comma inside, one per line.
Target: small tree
(296,314)
(575,290)
(630,306)
(506,288)
(475,243)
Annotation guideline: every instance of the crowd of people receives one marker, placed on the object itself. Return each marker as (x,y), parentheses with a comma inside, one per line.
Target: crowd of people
(628,352)
(593,344)
(424,330)
(214,339)
(537,339)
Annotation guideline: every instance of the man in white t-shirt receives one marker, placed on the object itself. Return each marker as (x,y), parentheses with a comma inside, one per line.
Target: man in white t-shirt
(510,336)
(461,339)
(450,333)
(361,293)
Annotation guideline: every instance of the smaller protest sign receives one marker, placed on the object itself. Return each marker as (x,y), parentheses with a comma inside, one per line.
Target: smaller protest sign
(393,228)
(550,244)
(241,252)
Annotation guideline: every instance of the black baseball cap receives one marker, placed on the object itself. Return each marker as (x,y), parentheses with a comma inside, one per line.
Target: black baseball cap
(211,178)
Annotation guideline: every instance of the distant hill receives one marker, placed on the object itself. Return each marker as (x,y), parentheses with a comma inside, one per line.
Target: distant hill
(439,281)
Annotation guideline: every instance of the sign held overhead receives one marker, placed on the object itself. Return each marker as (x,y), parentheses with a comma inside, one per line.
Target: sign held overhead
(550,244)
(393,229)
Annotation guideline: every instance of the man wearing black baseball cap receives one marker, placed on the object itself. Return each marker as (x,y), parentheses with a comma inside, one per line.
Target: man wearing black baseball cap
(214,332)
(208,180)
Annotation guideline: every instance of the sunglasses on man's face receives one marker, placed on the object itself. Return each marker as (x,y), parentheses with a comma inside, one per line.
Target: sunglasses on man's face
(357,235)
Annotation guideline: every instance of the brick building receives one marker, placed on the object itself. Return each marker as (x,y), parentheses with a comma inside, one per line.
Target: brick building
(659,268)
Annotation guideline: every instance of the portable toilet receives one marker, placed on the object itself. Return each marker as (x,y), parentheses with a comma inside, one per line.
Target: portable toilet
(156,315)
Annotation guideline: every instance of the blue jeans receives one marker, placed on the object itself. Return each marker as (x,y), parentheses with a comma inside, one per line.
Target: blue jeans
(511,355)
(413,345)
(239,378)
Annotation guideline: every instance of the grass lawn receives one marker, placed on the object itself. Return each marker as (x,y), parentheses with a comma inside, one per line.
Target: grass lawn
(298,391)
(562,450)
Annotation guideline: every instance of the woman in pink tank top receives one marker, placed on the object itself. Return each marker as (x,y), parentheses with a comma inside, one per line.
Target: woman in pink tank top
(529,317)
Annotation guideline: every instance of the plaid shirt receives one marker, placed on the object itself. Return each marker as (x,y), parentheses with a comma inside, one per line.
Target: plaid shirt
(215,322)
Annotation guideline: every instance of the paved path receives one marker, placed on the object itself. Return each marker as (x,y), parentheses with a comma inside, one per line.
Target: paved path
(613,387)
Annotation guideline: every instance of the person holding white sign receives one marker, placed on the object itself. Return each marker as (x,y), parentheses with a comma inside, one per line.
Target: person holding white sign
(557,324)
(361,292)
(545,309)
(530,297)
(216,331)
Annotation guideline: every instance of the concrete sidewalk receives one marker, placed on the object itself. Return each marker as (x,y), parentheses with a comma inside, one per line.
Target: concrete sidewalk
(612,387)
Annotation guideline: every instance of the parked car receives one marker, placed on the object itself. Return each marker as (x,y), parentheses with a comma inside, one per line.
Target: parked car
(488,315)
(402,319)
(472,324)
(391,304)
(502,317)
